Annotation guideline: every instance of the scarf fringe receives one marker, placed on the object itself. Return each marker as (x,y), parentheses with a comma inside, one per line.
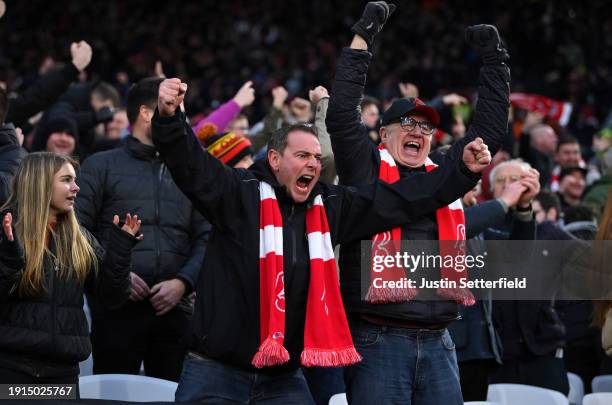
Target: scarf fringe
(330,358)
(388,295)
(271,353)
(463,296)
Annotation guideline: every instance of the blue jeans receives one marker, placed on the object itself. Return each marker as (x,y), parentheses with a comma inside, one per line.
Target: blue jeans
(209,381)
(402,366)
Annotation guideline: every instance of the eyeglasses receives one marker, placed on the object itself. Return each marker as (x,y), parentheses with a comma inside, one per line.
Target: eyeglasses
(409,124)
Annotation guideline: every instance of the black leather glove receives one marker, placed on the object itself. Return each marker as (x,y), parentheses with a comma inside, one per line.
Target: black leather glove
(104,114)
(11,252)
(371,22)
(486,40)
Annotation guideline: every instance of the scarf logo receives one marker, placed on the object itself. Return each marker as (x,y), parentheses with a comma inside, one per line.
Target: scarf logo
(280,296)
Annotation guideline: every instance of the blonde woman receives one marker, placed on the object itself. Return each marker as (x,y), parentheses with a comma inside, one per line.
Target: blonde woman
(46,261)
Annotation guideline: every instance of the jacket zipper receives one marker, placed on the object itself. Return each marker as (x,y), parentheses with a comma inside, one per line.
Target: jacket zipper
(156,185)
(293,238)
(53,303)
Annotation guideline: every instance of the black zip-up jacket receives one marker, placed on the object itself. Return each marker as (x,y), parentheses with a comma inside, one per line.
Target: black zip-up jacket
(133,179)
(11,154)
(226,319)
(358,161)
(48,335)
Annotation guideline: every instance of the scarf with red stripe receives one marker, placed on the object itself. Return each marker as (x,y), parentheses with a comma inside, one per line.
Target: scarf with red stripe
(451,227)
(327,339)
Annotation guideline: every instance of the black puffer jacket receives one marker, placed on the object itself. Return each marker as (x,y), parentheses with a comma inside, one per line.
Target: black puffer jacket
(48,335)
(132,179)
(10,156)
(358,162)
(226,320)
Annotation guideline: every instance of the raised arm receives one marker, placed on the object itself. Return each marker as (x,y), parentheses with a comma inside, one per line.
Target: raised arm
(209,184)
(50,87)
(490,120)
(354,153)
(319,97)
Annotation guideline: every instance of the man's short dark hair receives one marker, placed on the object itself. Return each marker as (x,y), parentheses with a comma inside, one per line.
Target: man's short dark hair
(145,92)
(105,91)
(278,140)
(566,140)
(577,213)
(548,200)
(3,105)
(367,101)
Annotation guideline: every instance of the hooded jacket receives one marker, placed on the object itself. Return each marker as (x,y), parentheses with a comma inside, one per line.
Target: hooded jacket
(226,319)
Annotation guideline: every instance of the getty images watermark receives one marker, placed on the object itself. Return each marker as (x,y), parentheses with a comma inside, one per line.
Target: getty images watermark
(502,270)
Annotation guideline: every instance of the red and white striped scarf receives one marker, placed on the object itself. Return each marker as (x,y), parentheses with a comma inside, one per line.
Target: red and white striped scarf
(451,227)
(327,339)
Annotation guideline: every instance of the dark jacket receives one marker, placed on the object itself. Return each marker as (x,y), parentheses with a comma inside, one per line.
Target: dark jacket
(41,95)
(10,157)
(358,161)
(132,179)
(226,319)
(48,335)
(527,328)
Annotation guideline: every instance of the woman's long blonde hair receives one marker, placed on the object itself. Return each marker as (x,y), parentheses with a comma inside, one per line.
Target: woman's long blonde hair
(602,256)
(32,190)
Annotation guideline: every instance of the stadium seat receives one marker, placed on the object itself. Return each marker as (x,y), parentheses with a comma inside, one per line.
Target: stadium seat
(598,398)
(602,383)
(338,399)
(480,403)
(513,394)
(125,387)
(576,391)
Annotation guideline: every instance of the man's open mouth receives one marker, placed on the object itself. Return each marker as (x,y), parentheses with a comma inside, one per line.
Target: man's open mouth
(303,182)
(412,145)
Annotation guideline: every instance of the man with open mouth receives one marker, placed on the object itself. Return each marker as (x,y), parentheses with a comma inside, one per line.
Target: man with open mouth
(268,299)
(401,330)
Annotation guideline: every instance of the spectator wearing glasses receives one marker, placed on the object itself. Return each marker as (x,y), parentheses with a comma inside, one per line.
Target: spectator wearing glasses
(398,335)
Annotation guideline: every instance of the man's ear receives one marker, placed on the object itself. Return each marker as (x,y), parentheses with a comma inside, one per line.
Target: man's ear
(274,158)
(145,113)
(383,134)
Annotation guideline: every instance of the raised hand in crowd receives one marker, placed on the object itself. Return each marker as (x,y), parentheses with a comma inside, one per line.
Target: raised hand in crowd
(246,95)
(531,180)
(300,109)
(2,8)
(12,253)
(486,40)
(476,155)
(454,99)
(408,90)
(171,95)
(513,193)
(372,20)
(159,69)
(81,54)
(166,294)
(279,96)
(317,94)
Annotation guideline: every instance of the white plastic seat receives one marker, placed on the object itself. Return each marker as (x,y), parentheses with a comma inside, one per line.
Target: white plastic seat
(126,387)
(338,399)
(576,392)
(598,398)
(602,383)
(480,403)
(518,394)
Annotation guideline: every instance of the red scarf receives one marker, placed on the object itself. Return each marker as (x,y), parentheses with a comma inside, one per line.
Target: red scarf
(451,226)
(327,339)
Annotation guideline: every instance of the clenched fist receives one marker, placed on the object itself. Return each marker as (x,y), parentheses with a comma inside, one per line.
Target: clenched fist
(171,95)
(476,155)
